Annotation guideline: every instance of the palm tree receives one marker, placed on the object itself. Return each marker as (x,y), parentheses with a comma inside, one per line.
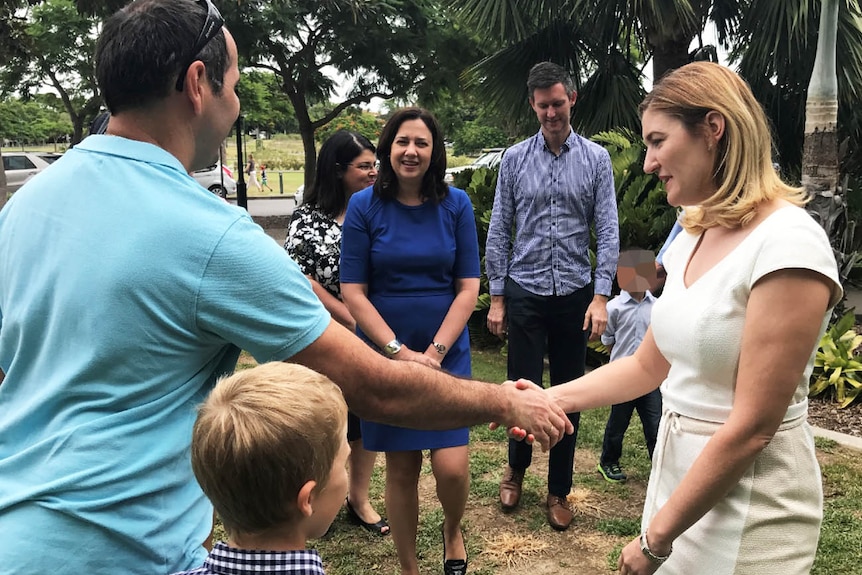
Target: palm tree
(605,42)
(820,153)
(821,162)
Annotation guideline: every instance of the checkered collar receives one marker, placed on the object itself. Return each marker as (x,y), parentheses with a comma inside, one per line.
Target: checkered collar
(226,560)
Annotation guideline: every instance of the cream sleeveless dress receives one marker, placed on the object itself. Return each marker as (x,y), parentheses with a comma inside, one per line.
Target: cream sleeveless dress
(770,522)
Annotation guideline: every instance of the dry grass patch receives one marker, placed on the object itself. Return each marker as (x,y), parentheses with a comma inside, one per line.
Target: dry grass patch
(513,550)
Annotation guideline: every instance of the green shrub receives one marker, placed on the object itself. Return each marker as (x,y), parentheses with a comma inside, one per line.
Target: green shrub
(475,135)
(836,365)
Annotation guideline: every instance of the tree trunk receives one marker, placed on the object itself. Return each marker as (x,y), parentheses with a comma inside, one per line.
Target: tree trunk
(306,130)
(669,55)
(820,151)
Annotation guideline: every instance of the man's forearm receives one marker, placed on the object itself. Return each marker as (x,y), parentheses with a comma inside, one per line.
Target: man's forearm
(400,393)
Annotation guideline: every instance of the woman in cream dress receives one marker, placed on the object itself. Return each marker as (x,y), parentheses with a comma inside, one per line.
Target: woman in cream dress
(735,487)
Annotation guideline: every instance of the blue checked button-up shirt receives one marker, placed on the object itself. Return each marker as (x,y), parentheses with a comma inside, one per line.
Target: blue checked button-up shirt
(551,201)
(628,321)
(226,560)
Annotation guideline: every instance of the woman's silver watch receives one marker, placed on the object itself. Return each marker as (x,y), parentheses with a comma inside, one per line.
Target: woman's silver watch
(392,347)
(655,559)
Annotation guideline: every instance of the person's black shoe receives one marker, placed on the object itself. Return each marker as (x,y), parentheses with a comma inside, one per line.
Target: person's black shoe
(453,566)
(381,528)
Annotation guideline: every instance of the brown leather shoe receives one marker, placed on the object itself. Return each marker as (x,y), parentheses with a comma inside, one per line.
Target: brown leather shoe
(559,513)
(510,488)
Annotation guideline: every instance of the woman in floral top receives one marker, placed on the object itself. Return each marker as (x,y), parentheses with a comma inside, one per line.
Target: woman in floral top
(345,165)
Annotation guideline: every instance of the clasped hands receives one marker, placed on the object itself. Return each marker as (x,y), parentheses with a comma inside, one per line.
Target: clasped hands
(427,359)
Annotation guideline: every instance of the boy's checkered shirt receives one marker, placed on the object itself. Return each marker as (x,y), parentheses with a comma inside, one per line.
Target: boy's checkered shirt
(226,560)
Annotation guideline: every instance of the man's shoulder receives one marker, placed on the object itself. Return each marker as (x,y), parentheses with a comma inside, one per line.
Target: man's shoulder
(589,147)
(616,303)
(522,147)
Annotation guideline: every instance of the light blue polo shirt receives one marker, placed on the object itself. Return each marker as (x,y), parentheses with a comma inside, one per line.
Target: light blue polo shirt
(126,289)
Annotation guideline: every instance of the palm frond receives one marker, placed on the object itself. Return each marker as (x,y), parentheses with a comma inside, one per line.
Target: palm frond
(501,77)
(610,98)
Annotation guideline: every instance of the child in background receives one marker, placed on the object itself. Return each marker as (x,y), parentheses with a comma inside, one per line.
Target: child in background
(269,449)
(263,177)
(628,320)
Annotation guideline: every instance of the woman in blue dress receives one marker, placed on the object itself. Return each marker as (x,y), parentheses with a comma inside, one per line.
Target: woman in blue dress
(410,278)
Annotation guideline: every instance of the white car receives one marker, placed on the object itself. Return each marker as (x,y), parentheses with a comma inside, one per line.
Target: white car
(490,158)
(21,166)
(218,181)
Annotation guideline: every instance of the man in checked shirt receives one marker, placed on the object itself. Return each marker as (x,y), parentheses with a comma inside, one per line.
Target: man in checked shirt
(551,189)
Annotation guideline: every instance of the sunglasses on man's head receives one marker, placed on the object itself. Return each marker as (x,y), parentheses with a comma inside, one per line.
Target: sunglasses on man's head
(212,25)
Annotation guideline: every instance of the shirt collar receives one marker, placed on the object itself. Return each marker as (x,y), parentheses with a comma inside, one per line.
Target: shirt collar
(131,149)
(627,297)
(227,560)
(568,144)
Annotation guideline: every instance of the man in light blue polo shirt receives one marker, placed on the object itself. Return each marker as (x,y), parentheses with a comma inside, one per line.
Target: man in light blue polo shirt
(126,289)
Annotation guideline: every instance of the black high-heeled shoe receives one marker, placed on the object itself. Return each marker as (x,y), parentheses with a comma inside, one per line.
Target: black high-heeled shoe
(381,528)
(453,566)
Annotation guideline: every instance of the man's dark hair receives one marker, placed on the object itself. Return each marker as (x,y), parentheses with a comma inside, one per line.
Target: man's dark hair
(339,150)
(546,74)
(434,188)
(144,46)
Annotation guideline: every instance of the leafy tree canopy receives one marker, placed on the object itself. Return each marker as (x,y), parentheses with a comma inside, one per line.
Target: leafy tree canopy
(264,106)
(599,41)
(53,47)
(386,49)
(33,121)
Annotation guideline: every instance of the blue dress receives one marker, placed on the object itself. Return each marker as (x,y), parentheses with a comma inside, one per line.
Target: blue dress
(410,258)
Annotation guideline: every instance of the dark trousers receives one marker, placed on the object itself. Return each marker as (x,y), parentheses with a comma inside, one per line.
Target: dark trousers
(554,324)
(649,410)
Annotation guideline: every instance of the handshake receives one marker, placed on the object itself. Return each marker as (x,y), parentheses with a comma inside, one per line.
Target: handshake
(537,415)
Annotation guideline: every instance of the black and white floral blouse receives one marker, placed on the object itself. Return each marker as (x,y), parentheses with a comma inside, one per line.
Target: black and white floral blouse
(314,242)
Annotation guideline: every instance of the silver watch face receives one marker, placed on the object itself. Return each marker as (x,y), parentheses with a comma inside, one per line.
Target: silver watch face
(439,347)
(392,347)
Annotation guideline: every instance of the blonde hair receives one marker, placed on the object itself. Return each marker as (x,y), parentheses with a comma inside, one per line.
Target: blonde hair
(743,171)
(260,436)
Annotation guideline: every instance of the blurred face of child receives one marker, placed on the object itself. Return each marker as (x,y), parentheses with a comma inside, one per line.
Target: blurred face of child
(636,271)
(329,499)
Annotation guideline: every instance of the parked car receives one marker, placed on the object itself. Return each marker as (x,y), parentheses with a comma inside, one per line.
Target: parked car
(218,181)
(490,158)
(21,166)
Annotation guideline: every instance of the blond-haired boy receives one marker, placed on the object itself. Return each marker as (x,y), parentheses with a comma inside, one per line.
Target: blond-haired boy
(269,449)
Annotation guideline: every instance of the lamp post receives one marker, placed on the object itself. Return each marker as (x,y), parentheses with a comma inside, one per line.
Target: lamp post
(241,196)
